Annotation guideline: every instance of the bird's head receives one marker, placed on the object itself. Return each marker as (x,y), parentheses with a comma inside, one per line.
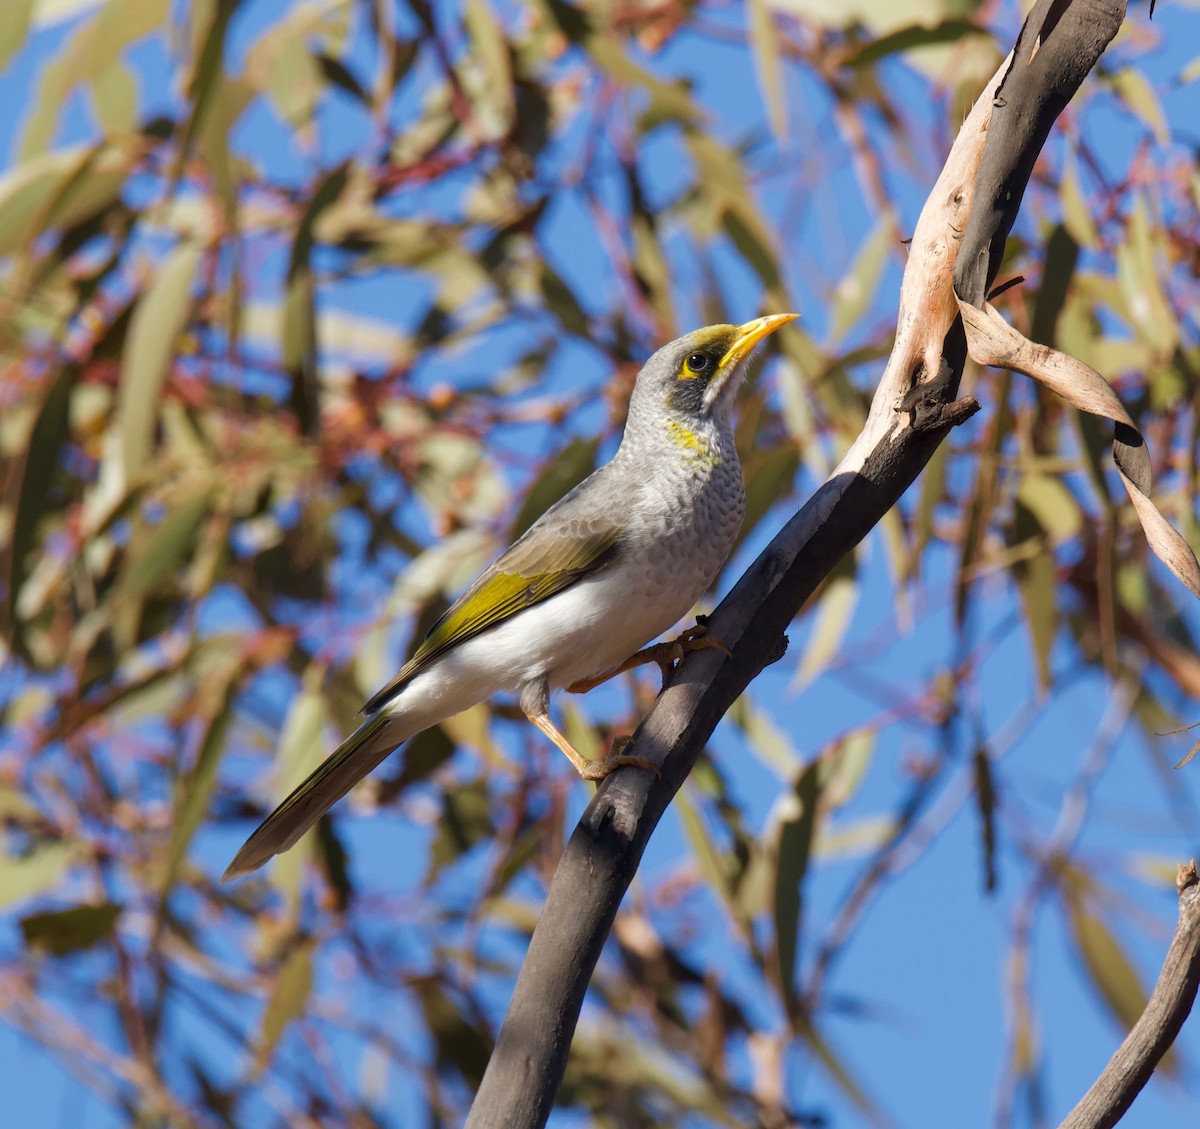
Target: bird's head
(697,376)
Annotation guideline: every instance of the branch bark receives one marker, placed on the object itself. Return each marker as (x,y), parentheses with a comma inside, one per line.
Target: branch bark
(913,410)
(1152,1035)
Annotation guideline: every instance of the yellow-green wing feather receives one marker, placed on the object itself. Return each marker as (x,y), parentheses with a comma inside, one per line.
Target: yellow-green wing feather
(539,565)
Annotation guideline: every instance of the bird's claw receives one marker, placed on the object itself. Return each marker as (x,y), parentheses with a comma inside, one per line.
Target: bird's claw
(614,759)
(697,638)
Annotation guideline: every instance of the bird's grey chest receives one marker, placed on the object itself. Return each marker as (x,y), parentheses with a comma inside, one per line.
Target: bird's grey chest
(690,510)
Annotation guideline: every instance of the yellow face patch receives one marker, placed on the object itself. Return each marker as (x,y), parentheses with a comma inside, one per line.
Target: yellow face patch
(703,362)
(696,447)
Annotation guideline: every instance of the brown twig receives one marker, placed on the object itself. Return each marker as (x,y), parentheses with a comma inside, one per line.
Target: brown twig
(1152,1035)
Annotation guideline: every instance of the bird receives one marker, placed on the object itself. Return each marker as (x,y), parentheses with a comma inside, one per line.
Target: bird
(612,565)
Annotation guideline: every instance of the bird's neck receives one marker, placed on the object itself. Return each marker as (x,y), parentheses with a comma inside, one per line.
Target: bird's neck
(702,443)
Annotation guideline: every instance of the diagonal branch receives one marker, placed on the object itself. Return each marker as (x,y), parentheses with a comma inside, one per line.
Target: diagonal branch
(913,410)
(1152,1035)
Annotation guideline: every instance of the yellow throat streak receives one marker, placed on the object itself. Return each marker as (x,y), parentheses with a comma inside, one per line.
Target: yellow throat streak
(697,448)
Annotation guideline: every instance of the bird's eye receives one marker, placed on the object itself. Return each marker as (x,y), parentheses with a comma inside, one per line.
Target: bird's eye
(698,362)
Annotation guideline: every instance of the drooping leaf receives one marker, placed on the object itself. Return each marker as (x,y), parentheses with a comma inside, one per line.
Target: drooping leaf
(170,546)
(795,820)
(36,872)
(289,998)
(915,35)
(985,801)
(458,1040)
(853,295)
(66,931)
(836,602)
(764,46)
(196,789)
(43,455)
(158,319)
(569,468)
(1107,964)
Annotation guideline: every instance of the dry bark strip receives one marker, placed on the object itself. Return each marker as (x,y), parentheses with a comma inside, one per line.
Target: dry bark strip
(913,410)
(1056,48)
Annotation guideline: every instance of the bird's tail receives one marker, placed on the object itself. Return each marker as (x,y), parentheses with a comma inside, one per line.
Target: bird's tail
(369,744)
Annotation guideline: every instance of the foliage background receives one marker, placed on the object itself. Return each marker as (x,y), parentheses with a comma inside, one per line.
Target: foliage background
(305,312)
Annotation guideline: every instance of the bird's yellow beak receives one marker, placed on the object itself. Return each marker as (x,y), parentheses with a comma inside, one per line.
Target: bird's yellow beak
(748,336)
(751,334)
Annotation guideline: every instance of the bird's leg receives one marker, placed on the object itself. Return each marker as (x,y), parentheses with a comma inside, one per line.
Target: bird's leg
(665,654)
(590,770)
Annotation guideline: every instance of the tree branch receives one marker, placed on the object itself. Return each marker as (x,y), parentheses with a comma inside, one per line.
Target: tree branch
(913,410)
(1152,1035)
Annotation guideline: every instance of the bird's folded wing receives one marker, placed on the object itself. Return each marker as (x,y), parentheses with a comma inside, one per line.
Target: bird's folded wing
(541,563)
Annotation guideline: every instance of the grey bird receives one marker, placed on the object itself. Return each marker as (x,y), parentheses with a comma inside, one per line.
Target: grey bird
(607,568)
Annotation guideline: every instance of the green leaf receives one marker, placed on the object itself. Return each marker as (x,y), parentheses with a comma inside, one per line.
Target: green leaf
(769,478)
(13,28)
(916,35)
(195,790)
(115,97)
(424,754)
(209,23)
(563,473)
(289,997)
(169,546)
(985,800)
(458,1040)
(94,47)
(465,820)
(562,302)
(667,99)
(1052,505)
(66,931)
(844,766)
(1062,254)
(764,46)
(64,188)
(854,292)
(1035,576)
(1134,89)
(1141,279)
(767,739)
(836,601)
(158,319)
(303,745)
(1108,967)
(1077,213)
(43,455)
(713,868)
(25,876)
(491,51)
(795,818)
(336,73)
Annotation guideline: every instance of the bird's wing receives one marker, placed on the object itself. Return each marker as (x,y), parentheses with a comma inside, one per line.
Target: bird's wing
(550,556)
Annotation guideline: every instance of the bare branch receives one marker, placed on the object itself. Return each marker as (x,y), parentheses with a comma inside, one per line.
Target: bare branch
(1130,1068)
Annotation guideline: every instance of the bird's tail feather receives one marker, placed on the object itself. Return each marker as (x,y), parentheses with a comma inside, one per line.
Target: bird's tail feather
(357,755)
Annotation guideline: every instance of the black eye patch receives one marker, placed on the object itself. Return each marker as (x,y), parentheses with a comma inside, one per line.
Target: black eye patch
(698,363)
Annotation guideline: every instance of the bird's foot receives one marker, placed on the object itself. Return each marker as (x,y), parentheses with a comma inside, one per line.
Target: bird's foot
(614,759)
(667,654)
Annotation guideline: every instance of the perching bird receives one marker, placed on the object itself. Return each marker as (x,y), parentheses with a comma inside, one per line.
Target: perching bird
(613,564)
